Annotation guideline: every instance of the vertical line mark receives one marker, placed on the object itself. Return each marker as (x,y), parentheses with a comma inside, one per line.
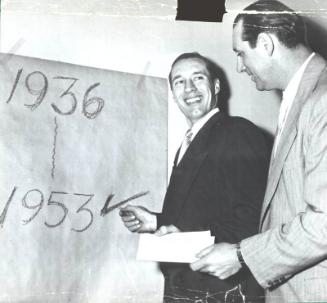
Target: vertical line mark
(54,148)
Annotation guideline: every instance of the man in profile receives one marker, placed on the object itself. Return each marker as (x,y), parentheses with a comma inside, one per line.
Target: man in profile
(289,257)
(217,182)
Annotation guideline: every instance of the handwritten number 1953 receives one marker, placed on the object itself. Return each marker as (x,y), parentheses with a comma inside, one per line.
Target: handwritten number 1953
(58,204)
(5,210)
(83,208)
(91,106)
(37,206)
(34,199)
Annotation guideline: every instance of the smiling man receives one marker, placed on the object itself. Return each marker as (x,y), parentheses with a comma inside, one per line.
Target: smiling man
(289,257)
(217,182)
(193,88)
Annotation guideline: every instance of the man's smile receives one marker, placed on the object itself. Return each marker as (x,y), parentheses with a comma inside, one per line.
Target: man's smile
(192,100)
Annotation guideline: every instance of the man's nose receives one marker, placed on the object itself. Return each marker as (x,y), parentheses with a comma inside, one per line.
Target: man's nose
(189,85)
(239,65)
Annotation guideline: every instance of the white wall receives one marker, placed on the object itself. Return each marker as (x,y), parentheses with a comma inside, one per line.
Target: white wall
(140,37)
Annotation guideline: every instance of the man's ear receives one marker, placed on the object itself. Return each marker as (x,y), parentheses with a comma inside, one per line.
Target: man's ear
(266,43)
(217,86)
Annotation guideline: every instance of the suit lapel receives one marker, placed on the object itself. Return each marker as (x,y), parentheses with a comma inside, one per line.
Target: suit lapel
(306,87)
(184,173)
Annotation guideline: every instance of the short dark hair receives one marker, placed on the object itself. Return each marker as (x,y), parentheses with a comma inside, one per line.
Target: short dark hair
(276,18)
(210,65)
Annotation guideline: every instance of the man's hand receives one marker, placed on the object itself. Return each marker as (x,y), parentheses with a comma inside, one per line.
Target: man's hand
(138,219)
(167,229)
(219,260)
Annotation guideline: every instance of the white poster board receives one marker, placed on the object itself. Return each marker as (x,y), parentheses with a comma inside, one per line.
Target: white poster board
(75,142)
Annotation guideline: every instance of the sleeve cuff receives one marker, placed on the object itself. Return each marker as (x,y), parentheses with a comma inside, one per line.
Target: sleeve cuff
(158,220)
(239,255)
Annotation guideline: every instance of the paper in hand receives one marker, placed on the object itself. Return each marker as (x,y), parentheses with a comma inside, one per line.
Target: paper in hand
(180,247)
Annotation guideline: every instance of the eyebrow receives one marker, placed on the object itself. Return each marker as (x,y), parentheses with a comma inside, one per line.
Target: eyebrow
(176,77)
(202,72)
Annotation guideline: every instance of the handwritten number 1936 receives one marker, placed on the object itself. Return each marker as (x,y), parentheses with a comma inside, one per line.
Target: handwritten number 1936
(19,73)
(90,101)
(67,92)
(39,92)
(91,106)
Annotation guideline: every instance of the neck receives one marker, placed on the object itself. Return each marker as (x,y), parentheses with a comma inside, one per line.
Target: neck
(290,61)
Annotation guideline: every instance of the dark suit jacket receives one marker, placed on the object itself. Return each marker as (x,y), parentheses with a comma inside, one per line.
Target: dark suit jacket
(218,185)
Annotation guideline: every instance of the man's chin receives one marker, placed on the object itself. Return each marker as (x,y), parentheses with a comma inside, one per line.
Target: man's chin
(259,87)
(196,115)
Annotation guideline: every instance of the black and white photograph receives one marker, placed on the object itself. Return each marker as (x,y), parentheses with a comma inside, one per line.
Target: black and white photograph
(170,151)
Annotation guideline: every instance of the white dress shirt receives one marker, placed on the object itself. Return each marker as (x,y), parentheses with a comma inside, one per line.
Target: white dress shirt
(288,97)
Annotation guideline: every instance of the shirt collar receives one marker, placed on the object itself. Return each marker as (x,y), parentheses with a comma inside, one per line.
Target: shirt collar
(199,124)
(292,87)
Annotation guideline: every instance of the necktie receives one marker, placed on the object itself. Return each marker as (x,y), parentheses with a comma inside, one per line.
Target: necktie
(186,142)
(188,138)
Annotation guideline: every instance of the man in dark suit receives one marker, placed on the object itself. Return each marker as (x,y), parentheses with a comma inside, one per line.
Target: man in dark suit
(217,183)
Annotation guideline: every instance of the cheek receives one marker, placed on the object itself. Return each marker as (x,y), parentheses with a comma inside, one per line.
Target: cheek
(177,95)
(204,89)
(258,66)
(250,60)
(247,64)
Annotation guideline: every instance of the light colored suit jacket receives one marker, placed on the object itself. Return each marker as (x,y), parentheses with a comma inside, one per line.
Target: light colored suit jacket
(289,257)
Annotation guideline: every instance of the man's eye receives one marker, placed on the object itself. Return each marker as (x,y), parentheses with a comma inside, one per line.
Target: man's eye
(178,82)
(198,78)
